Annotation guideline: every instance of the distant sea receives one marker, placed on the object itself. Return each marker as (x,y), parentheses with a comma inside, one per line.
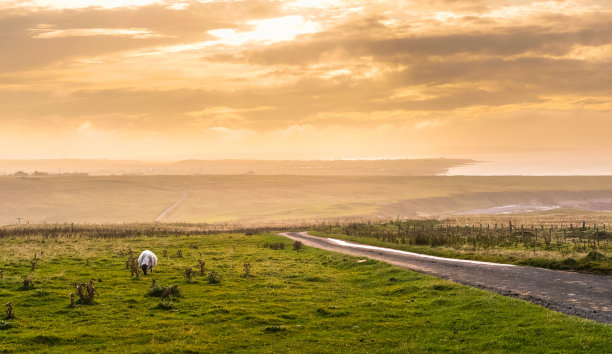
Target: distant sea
(537,164)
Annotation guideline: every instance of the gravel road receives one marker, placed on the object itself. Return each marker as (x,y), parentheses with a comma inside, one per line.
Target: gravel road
(584,295)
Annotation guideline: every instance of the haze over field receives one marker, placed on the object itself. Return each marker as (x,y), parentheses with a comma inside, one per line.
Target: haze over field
(325,79)
(262,199)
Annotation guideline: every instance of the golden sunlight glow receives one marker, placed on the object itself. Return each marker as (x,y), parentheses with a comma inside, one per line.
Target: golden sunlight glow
(92,32)
(265,31)
(303,79)
(77,4)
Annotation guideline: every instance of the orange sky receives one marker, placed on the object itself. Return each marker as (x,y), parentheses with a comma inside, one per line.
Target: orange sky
(155,79)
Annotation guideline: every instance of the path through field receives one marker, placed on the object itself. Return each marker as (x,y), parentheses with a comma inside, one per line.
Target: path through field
(585,295)
(172,207)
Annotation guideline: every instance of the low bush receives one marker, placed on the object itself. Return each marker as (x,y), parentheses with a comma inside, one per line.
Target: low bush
(297,245)
(5,325)
(214,277)
(275,245)
(164,291)
(10,311)
(595,256)
(86,292)
(247,270)
(190,274)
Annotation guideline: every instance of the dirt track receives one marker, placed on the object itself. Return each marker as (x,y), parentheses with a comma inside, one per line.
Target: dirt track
(584,295)
(172,207)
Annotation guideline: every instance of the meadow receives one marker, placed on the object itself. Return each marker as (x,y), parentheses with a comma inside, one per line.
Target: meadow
(284,198)
(289,300)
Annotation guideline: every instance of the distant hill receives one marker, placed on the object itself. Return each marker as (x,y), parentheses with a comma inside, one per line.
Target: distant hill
(261,199)
(403,167)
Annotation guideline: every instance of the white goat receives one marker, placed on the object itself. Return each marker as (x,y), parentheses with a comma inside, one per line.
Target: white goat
(147,261)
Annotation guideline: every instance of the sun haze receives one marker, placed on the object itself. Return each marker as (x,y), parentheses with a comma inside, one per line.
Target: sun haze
(172,79)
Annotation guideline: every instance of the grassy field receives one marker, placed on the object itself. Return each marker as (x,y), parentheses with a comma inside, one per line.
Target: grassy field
(293,301)
(261,199)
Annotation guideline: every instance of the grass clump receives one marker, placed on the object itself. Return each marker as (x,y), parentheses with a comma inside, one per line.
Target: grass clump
(274,329)
(4,325)
(167,306)
(274,245)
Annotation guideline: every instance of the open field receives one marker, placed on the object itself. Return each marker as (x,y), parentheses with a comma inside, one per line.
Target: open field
(261,199)
(293,301)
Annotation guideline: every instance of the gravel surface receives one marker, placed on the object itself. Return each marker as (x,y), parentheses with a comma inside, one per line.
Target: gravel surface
(584,295)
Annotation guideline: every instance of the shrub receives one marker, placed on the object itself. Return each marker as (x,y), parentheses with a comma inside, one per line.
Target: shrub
(10,311)
(86,292)
(33,262)
(28,282)
(570,262)
(190,274)
(201,264)
(247,270)
(275,245)
(297,245)
(595,256)
(164,291)
(214,277)
(132,265)
(5,325)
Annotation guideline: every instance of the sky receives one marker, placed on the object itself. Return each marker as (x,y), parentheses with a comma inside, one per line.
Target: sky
(305,79)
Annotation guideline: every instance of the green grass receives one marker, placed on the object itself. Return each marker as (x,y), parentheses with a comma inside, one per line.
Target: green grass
(306,301)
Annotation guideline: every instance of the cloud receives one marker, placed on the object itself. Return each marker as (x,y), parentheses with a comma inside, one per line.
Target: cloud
(41,33)
(500,42)
(379,75)
(65,36)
